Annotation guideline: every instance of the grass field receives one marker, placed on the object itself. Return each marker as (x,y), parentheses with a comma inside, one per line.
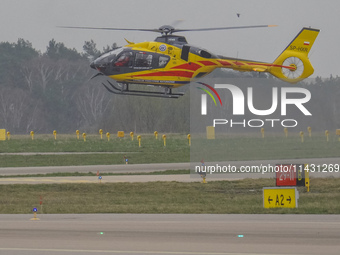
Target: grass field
(272,146)
(151,150)
(103,152)
(241,196)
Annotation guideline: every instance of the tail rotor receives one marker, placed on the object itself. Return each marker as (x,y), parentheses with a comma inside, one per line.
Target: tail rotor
(293,64)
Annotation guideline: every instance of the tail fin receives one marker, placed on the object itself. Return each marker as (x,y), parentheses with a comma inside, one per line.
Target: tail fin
(293,64)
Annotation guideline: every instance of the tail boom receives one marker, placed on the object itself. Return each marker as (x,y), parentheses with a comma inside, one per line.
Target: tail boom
(295,56)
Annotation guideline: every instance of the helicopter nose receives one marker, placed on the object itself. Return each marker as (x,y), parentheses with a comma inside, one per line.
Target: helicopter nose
(92,65)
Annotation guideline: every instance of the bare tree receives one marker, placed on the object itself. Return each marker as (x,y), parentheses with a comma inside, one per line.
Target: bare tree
(92,103)
(19,112)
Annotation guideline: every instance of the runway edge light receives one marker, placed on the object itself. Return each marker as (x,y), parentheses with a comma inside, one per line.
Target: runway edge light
(35,210)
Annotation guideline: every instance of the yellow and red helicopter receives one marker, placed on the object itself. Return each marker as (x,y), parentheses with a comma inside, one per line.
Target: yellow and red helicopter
(170,62)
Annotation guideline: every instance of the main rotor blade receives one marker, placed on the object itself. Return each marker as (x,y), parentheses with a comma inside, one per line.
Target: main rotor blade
(112,28)
(221,28)
(170,29)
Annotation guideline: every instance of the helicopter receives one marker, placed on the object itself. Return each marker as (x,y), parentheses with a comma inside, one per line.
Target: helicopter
(170,62)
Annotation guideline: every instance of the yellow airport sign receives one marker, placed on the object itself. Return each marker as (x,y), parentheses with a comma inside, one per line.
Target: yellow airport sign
(120,134)
(2,134)
(280,197)
(210,132)
(337,132)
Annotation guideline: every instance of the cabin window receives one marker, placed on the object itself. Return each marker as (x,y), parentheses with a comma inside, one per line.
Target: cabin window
(163,61)
(205,54)
(143,60)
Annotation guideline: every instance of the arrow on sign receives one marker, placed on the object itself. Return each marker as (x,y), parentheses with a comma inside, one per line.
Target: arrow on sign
(269,200)
(289,199)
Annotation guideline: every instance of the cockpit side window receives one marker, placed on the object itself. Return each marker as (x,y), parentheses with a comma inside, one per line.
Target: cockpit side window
(124,59)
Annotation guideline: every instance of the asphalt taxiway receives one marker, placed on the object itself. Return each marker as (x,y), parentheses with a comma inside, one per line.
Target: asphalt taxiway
(169,234)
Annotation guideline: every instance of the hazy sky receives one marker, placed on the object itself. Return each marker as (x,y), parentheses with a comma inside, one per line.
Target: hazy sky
(37,21)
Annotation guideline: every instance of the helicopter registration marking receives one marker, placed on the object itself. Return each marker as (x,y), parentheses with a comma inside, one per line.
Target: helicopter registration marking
(296,48)
(162,47)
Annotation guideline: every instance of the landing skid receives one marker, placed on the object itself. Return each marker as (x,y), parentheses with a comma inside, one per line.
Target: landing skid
(124,90)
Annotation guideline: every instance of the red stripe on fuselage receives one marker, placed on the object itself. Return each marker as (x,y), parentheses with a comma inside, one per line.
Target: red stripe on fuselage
(168,73)
(188,66)
(225,63)
(207,63)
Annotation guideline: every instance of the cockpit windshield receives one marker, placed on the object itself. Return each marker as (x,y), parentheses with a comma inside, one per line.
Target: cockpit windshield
(104,60)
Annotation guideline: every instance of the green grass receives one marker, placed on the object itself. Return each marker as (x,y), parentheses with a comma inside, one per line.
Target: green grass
(228,147)
(151,150)
(221,197)
(163,156)
(272,146)
(93,143)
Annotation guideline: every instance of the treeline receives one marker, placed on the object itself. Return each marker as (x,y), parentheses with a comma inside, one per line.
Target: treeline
(53,91)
